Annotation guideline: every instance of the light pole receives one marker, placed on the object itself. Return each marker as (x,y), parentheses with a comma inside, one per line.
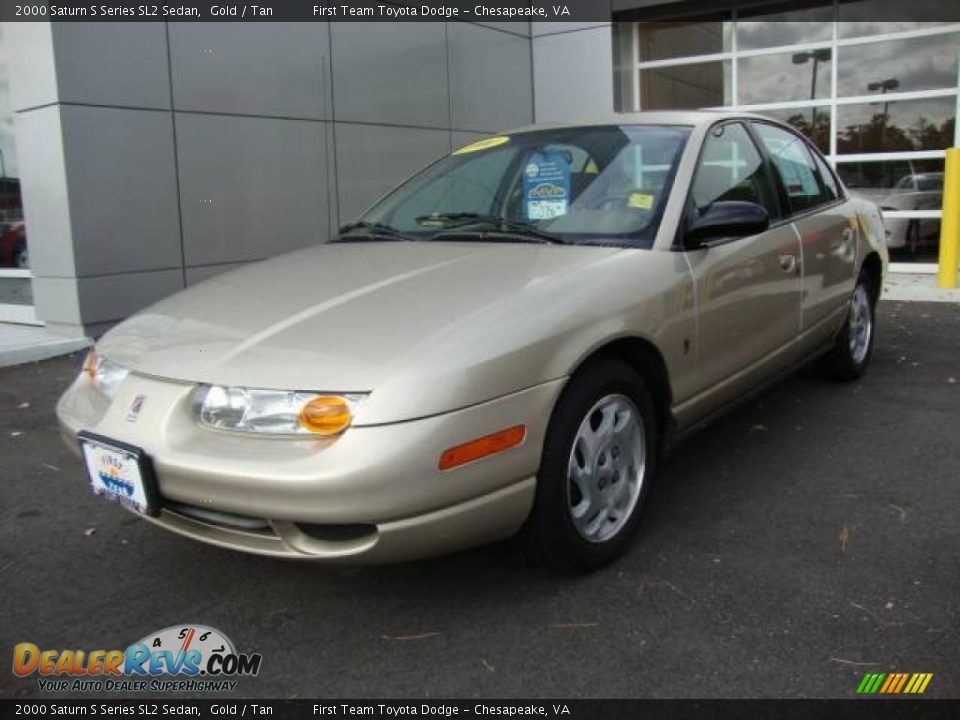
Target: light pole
(883,86)
(818,56)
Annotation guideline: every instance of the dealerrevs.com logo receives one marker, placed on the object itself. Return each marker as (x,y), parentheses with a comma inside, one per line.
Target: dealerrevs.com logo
(178,658)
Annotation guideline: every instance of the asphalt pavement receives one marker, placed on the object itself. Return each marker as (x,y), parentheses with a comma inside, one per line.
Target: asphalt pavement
(807,538)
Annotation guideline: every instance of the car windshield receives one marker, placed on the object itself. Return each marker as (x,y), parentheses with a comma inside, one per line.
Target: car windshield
(604,185)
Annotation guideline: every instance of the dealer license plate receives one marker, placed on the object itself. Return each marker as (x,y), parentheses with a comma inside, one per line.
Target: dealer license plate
(119,472)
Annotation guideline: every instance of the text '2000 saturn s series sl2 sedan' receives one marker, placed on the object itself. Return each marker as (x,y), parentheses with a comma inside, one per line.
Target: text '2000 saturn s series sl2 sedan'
(503,345)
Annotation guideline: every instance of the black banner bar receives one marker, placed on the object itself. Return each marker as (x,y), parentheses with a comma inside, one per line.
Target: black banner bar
(302,11)
(573,11)
(858,709)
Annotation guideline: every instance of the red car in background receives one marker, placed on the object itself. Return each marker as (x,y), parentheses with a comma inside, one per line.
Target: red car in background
(13,246)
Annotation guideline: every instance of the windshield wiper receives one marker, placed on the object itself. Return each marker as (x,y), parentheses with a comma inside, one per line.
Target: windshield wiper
(376,230)
(521,228)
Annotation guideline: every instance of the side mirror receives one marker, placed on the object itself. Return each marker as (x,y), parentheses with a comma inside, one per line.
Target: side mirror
(726,220)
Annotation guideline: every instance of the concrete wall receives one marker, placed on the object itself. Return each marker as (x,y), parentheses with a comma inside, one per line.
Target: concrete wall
(154,155)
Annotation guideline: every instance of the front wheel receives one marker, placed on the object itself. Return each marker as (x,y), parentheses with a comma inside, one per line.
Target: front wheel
(598,461)
(854,344)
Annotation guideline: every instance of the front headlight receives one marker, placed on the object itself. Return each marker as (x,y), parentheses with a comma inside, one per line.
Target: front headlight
(105,375)
(275,412)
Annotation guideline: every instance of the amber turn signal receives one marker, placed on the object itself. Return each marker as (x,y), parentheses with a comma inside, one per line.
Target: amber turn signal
(482,447)
(90,365)
(326,415)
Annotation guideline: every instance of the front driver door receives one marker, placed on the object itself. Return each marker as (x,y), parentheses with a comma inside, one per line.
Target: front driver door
(827,225)
(747,289)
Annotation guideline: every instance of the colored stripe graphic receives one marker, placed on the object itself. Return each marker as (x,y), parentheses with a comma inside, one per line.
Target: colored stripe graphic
(894,683)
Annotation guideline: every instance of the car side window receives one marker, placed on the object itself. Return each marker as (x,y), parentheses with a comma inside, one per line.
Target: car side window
(731,168)
(827,177)
(797,170)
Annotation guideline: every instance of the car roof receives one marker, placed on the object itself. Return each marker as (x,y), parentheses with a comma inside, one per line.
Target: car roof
(668,117)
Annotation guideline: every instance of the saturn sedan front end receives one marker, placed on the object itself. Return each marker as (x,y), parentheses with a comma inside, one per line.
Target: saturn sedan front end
(371,493)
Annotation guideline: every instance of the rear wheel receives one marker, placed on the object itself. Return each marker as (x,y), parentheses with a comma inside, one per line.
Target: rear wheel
(854,344)
(598,460)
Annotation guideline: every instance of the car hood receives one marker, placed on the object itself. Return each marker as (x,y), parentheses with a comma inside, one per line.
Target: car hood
(405,321)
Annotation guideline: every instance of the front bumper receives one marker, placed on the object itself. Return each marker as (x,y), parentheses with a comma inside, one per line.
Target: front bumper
(372,494)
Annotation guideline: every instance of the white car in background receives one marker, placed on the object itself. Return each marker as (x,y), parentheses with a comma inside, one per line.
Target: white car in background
(916,191)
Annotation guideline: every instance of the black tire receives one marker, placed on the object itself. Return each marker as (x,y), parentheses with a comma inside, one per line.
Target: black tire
(550,534)
(844,363)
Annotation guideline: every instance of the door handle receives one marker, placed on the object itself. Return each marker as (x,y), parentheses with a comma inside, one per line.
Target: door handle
(788,263)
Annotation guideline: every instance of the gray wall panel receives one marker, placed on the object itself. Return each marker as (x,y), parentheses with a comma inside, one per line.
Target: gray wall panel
(55,300)
(43,185)
(109,63)
(278,69)
(490,78)
(28,47)
(250,187)
(573,75)
(518,28)
(114,297)
(122,188)
(390,73)
(372,159)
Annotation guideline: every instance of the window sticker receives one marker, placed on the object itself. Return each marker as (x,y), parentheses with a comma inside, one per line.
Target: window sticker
(485,144)
(640,201)
(546,185)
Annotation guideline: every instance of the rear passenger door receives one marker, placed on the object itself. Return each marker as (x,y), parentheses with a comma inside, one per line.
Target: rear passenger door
(747,288)
(825,222)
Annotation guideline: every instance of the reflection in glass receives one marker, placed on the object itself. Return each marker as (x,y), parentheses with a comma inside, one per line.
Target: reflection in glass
(896,126)
(13,238)
(916,64)
(814,122)
(765,27)
(902,185)
(874,17)
(700,36)
(685,87)
(782,77)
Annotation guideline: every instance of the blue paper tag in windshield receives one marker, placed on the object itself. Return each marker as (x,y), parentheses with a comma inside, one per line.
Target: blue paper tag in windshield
(546,185)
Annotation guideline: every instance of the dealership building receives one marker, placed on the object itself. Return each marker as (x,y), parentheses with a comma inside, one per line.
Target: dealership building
(140,158)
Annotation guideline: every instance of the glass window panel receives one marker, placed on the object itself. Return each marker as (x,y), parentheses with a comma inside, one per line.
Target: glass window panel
(16,291)
(701,36)
(13,237)
(783,77)
(926,63)
(813,122)
(875,17)
(896,126)
(731,168)
(763,27)
(902,185)
(685,87)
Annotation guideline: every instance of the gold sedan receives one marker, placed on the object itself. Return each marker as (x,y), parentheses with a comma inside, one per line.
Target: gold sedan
(504,344)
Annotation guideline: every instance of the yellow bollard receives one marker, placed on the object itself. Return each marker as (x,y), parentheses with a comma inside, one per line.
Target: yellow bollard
(950,224)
